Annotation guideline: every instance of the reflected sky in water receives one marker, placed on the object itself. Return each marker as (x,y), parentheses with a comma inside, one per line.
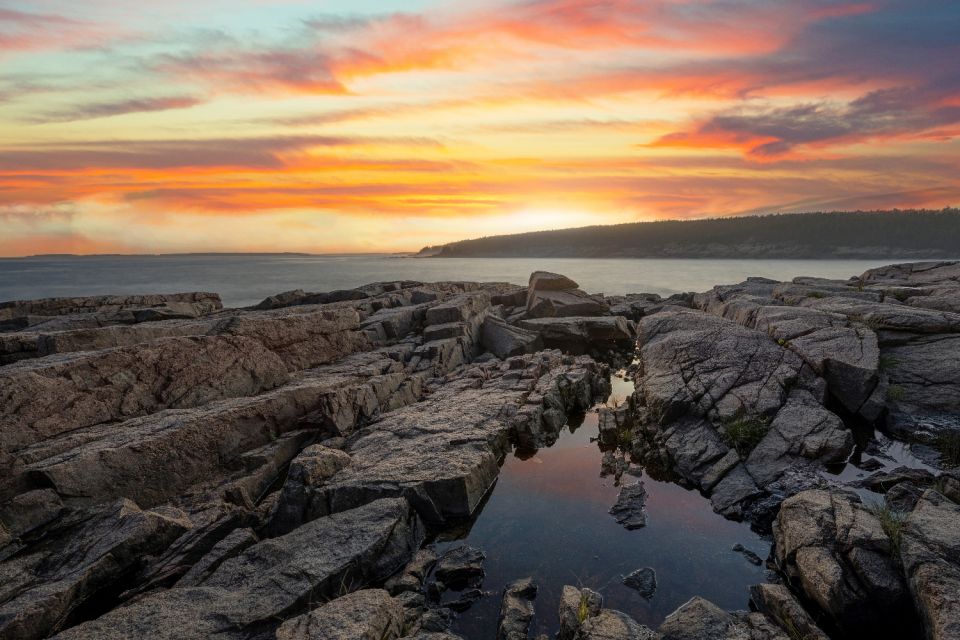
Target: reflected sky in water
(548,518)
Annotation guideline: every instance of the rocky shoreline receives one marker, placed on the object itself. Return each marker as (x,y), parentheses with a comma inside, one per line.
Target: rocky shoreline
(174,469)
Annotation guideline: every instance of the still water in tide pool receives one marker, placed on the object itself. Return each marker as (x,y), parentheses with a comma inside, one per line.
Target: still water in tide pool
(547,518)
(245,279)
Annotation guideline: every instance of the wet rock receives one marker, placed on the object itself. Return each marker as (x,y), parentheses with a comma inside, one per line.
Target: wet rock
(576,606)
(505,340)
(581,334)
(883,481)
(839,554)
(464,600)
(777,603)
(643,581)
(903,497)
(930,553)
(629,509)
(413,575)
(42,588)
(460,566)
(368,614)
(516,610)
(611,624)
(614,422)
(751,557)
(274,579)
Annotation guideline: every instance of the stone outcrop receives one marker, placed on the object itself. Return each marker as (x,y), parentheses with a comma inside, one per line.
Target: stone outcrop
(274,579)
(100,310)
(172,469)
(838,553)
(930,555)
(732,425)
(42,588)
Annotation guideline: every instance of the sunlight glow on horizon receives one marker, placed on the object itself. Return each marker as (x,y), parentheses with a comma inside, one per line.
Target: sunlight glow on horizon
(275,125)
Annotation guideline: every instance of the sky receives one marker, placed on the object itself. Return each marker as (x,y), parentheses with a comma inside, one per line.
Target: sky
(363,125)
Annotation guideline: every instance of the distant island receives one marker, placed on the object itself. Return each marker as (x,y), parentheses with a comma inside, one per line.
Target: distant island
(915,234)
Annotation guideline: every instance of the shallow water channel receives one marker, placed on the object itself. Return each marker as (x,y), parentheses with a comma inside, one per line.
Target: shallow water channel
(547,517)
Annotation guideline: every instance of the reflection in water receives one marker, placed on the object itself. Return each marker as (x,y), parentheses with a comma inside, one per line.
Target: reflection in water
(548,518)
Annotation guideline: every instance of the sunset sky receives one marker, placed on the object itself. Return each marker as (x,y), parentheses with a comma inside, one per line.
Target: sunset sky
(387,125)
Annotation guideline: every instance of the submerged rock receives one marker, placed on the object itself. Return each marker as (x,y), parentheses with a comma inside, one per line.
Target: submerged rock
(629,510)
(751,557)
(643,581)
(460,566)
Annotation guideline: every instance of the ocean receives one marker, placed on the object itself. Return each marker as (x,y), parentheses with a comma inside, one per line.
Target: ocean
(245,279)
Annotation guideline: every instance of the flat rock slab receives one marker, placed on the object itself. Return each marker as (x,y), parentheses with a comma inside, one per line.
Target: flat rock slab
(274,579)
(153,458)
(43,398)
(442,454)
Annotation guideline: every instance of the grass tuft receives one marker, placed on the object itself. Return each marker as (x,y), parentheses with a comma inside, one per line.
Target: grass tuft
(887,362)
(948,444)
(892,523)
(745,433)
(896,393)
(584,609)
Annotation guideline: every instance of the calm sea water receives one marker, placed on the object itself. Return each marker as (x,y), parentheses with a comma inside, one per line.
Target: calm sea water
(243,280)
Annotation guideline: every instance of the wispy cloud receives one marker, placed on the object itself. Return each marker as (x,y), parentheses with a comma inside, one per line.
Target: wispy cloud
(117,108)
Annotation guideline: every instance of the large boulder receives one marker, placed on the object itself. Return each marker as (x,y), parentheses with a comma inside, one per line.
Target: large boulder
(505,340)
(611,624)
(582,334)
(554,295)
(368,614)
